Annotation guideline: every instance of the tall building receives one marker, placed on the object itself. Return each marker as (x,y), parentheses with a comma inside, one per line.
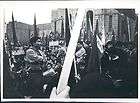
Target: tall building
(116,24)
(59,14)
(23,32)
(44,29)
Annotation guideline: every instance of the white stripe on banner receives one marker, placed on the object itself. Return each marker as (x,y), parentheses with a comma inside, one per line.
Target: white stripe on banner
(99,44)
(63,80)
(80,52)
(103,30)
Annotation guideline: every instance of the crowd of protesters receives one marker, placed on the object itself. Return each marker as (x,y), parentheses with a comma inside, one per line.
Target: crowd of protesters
(36,70)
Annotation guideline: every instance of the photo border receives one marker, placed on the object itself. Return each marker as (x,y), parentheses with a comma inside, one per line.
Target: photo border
(105,4)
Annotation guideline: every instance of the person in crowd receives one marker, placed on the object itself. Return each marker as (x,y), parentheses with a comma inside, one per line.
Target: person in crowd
(81,55)
(87,47)
(95,85)
(34,54)
(34,61)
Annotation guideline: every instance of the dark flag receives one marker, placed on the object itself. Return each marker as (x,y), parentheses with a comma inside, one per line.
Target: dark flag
(67,27)
(124,30)
(47,40)
(93,62)
(29,35)
(136,32)
(43,36)
(35,27)
(96,32)
(113,36)
(136,27)
(29,32)
(62,30)
(55,27)
(128,12)
(89,15)
(89,19)
(14,31)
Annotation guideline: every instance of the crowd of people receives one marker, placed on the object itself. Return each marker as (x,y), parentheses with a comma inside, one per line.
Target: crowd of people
(36,70)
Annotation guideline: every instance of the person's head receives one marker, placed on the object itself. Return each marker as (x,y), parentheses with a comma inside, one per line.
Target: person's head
(109,45)
(49,66)
(61,43)
(36,42)
(79,45)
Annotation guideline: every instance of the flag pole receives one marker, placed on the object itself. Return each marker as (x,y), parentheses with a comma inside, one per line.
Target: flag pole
(14,31)
(63,80)
(75,69)
(67,27)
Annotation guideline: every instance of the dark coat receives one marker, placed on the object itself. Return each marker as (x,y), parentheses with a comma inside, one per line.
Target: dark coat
(94,85)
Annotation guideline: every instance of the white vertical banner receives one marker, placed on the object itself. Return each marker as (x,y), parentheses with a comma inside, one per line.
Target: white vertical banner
(129,35)
(101,23)
(63,80)
(103,30)
(99,44)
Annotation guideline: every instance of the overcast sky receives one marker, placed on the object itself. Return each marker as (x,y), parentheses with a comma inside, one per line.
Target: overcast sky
(24,10)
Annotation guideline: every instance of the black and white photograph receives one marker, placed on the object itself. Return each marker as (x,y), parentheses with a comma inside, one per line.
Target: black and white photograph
(70,53)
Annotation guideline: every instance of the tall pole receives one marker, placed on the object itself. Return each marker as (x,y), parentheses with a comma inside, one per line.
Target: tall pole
(63,80)
(67,28)
(103,28)
(55,27)
(129,33)
(29,32)
(35,27)
(14,31)
(62,29)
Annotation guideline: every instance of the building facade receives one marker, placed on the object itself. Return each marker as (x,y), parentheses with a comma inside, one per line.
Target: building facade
(113,24)
(58,16)
(23,32)
(117,26)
